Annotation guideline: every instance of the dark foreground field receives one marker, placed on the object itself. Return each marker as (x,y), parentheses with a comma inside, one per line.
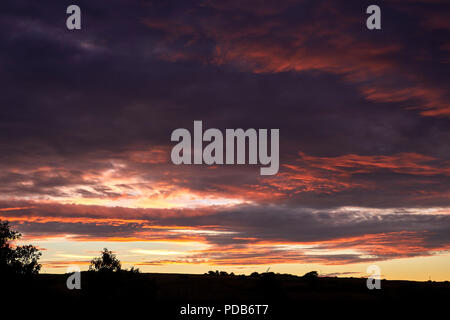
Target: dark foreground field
(163,296)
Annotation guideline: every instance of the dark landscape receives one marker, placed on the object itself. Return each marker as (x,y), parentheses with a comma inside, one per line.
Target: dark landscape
(287,295)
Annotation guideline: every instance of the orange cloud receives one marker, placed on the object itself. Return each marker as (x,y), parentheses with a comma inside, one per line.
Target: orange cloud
(408,163)
(320,44)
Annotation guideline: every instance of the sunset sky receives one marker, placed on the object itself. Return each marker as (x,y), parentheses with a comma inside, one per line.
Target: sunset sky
(364,118)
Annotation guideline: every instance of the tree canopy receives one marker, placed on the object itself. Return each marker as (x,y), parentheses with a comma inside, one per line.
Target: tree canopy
(107,262)
(16,259)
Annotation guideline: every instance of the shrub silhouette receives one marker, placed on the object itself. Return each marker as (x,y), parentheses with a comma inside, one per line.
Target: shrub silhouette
(21,260)
(133,269)
(219,273)
(107,262)
(311,275)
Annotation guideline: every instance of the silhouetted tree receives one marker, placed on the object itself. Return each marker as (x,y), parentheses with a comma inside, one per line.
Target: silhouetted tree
(20,259)
(106,263)
(311,275)
(219,273)
(133,269)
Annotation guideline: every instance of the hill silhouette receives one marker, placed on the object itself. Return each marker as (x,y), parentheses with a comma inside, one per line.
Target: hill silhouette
(165,294)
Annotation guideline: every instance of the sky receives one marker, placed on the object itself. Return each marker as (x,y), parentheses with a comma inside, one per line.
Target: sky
(364,117)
